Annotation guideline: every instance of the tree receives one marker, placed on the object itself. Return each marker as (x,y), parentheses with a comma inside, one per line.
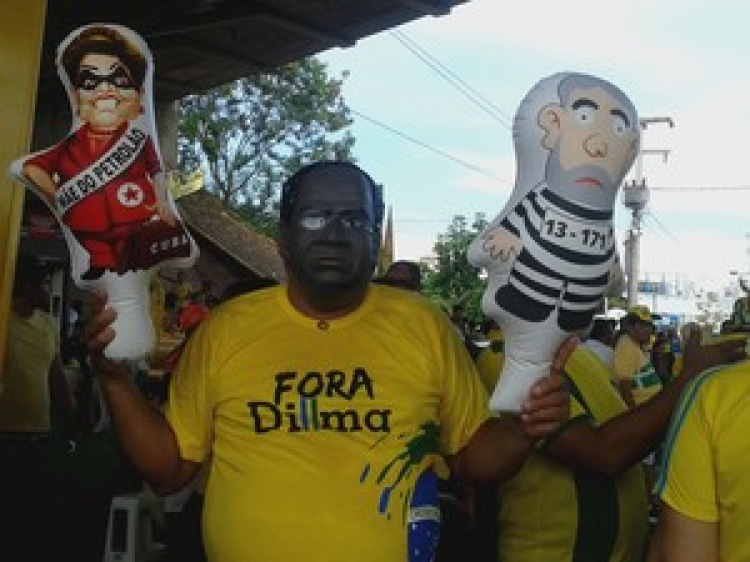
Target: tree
(452,280)
(251,133)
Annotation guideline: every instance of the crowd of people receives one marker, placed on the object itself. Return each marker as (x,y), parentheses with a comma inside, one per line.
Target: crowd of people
(351,413)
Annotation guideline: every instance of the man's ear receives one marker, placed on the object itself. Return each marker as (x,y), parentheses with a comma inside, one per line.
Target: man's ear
(549,120)
(282,246)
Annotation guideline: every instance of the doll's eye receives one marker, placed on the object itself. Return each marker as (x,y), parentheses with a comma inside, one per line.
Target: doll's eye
(620,124)
(585,114)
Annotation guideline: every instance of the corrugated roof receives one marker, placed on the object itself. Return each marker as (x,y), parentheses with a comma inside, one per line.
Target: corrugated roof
(204,214)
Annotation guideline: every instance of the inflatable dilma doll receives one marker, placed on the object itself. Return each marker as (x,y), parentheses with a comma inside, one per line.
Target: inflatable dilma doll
(105,181)
(550,252)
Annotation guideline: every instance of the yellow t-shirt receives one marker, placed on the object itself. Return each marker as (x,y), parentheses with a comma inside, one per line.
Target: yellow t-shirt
(548,512)
(704,473)
(631,363)
(32,345)
(325,437)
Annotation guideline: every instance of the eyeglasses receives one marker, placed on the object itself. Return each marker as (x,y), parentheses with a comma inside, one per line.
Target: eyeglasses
(318,219)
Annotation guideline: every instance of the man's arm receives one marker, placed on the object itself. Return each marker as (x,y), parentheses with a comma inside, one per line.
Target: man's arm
(144,433)
(627,438)
(500,446)
(683,539)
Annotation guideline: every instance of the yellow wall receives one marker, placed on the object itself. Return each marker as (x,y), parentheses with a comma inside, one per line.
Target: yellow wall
(21,31)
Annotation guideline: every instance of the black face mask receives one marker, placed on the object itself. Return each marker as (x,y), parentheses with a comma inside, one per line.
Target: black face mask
(90,81)
(330,241)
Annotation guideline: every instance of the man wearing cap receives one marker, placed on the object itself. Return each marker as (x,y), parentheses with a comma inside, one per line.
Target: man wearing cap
(634,373)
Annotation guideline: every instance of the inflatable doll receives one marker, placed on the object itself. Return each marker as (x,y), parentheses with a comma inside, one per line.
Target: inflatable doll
(105,181)
(550,251)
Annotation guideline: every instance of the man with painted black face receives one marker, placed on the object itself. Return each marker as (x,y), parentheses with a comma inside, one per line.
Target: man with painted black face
(327,406)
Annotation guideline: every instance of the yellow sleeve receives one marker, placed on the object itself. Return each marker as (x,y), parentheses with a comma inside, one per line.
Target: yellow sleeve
(464,401)
(625,363)
(687,482)
(187,407)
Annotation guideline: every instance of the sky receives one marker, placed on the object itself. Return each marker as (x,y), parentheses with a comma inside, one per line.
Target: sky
(437,134)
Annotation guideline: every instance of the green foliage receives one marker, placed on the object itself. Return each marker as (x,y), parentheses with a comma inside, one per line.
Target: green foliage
(451,280)
(617,302)
(250,134)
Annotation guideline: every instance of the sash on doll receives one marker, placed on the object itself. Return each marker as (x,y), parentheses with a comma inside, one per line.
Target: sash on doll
(107,167)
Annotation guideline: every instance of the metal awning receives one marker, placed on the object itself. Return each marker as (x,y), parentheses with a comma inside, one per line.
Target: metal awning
(198,44)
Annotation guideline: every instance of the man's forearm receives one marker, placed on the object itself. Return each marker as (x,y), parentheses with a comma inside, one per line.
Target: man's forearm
(496,452)
(144,434)
(628,438)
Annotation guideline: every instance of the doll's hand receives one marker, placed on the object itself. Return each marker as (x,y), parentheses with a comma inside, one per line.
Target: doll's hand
(501,245)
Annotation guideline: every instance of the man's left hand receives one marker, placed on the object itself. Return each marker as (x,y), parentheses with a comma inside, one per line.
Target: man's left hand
(548,405)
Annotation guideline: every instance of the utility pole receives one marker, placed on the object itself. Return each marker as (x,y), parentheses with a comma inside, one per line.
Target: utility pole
(635,198)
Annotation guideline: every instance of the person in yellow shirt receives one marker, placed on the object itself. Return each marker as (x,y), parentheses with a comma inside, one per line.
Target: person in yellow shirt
(327,407)
(583,496)
(33,397)
(703,486)
(634,373)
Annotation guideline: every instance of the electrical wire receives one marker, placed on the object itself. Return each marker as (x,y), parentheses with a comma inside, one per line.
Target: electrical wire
(652,217)
(703,188)
(414,140)
(452,78)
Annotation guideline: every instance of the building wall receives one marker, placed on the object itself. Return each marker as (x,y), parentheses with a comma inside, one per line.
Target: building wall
(20,46)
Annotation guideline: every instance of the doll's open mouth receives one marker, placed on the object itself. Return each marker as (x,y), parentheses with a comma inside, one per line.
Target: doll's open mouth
(106,104)
(589,182)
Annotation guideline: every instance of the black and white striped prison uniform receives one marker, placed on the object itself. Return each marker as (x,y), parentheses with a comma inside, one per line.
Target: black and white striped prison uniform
(567,253)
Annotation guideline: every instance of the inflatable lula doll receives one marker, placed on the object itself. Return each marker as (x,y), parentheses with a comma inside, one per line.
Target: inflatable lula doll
(549,253)
(105,182)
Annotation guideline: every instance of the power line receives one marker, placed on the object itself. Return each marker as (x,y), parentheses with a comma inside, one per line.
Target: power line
(702,188)
(426,146)
(649,214)
(681,248)
(452,78)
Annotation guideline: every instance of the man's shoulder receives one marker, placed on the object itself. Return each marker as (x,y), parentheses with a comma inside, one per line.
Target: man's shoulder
(625,345)
(415,302)
(726,385)
(45,319)
(251,299)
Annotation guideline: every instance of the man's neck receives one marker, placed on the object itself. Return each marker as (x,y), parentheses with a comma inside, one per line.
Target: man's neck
(337,306)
